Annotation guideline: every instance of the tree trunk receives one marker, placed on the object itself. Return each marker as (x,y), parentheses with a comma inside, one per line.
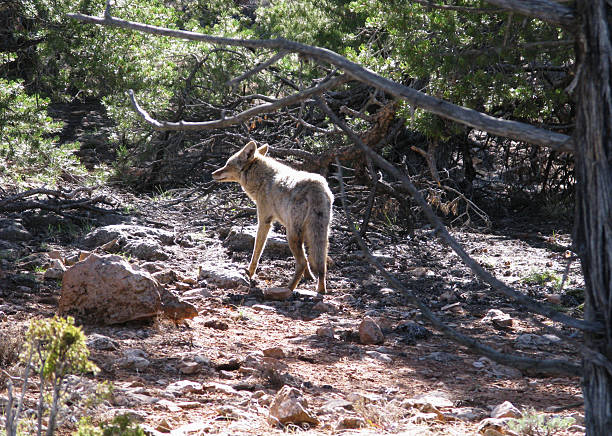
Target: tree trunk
(593,225)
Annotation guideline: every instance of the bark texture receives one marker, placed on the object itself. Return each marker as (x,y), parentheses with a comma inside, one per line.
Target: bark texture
(593,225)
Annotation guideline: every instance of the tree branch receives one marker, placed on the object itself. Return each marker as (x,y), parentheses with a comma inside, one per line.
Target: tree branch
(544,10)
(242,116)
(497,126)
(439,227)
(274,59)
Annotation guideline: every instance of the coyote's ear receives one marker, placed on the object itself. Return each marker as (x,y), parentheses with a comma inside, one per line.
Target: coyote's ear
(249,150)
(263,150)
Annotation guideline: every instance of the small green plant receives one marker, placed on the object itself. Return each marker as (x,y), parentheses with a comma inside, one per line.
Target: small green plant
(542,278)
(53,349)
(121,425)
(539,424)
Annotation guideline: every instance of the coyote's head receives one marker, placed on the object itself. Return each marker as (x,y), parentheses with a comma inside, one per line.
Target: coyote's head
(239,162)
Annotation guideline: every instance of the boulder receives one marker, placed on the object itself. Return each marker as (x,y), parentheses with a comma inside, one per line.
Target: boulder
(290,407)
(108,290)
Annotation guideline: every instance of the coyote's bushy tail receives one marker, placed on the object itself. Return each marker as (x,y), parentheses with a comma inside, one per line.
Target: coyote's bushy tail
(316,238)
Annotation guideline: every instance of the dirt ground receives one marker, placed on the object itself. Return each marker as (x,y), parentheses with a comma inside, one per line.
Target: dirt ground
(338,376)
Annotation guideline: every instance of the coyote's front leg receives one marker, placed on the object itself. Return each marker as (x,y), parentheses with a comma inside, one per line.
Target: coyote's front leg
(263,228)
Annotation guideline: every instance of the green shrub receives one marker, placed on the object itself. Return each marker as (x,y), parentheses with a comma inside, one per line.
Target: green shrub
(121,425)
(535,424)
(54,348)
(29,147)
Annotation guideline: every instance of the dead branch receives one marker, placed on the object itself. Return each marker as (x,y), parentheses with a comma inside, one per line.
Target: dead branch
(60,202)
(497,126)
(277,57)
(242,116)
(523,363)
(439,227)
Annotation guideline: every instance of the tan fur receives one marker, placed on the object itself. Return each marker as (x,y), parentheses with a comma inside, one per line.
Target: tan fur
(300,201)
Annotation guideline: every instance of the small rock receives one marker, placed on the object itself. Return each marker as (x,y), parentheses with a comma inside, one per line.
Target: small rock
(324,307)
(492,426)
(411,332)
(369,332)
(54,273)
(379,356)
(326,332)
(361,398)
(505,410)
(276,352)
(263,308)
(183,387)
(441,356)
(499,318)
(290,406)
(166,276)
(216,324)
(189,368)
(350,422)
(220,388)
(278,294)
(197,292)
(225,276)
(101,342)
(135,362)
(56,254)
(468,413)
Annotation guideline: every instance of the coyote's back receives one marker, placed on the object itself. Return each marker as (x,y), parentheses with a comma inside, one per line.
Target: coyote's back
(301,201)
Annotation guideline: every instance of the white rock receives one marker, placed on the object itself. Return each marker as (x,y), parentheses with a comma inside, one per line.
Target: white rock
(505,410)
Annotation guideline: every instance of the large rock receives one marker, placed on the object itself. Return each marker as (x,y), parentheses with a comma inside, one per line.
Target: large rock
(108,290)
(290,407)
(145,243)
(243,239)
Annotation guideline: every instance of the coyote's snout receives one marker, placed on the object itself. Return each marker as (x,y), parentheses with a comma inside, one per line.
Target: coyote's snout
(300,201)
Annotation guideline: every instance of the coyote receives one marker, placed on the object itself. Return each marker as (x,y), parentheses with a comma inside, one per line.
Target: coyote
(300,201)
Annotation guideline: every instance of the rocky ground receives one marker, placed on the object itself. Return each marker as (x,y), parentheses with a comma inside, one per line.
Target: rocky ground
(244,362)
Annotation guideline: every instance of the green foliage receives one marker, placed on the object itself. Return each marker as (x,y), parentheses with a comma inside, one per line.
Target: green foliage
(542,278)
(535,424)
(327,23)
(28,145)
(121,425)
(488,62)
(56,347)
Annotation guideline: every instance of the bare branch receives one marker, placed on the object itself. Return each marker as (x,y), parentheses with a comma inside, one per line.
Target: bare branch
(242,116)
(439,227)
(545,10)
(497,126)
(274,59)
